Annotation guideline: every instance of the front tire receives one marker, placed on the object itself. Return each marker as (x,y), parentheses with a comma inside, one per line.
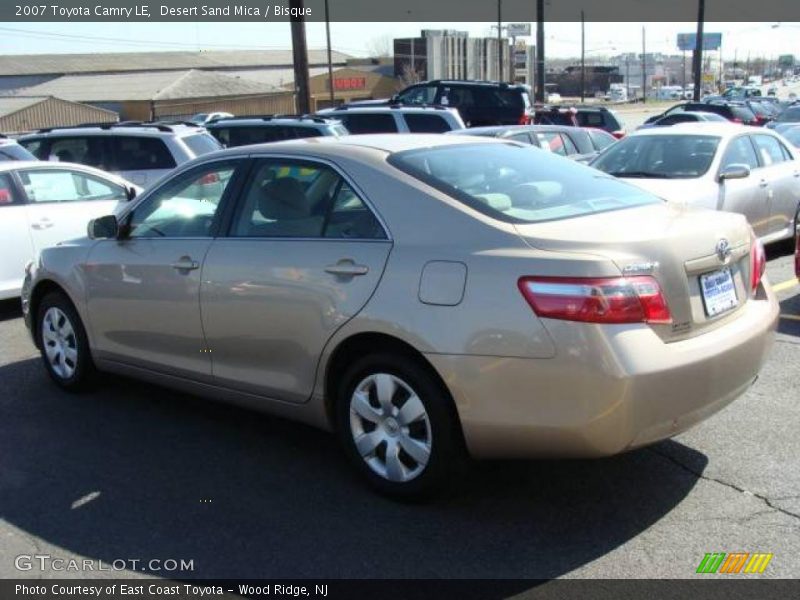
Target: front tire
(397,426)
(63,343)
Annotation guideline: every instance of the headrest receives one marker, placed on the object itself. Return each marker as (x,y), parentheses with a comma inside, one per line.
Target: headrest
(282,199)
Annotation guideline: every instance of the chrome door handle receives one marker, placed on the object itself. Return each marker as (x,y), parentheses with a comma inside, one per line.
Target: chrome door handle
(763,183)
(347,268)
(185,264)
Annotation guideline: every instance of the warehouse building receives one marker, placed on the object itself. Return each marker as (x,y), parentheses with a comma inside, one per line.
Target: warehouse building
(26,113)
(26,70)
(154,95)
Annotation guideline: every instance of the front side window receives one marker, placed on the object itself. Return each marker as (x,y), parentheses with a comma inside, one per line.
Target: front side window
(295,199)
(184,206)
(769,150)
(518,184)
(659,156)
(132,153)
(424,94)
(740,152)
(61,185)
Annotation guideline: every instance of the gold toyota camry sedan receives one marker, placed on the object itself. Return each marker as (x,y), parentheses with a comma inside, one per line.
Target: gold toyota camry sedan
(426,297)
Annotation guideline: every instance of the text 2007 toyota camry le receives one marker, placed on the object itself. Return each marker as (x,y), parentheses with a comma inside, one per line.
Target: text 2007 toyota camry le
(426,297)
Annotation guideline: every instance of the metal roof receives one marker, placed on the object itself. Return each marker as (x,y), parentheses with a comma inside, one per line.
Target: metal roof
(122,62)
(10,105)
(156,85)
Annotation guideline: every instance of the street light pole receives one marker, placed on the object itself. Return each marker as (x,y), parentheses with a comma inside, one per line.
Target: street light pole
(499,40)
(300,56)
(698,49)
(539,95)
(330,60)
(583,58)
(644,66)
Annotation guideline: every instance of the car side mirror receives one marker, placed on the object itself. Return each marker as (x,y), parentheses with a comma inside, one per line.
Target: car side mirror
(103,228)
(130,193)
(735,171)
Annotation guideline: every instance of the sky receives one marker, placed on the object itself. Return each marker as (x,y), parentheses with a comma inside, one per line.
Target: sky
(561,39)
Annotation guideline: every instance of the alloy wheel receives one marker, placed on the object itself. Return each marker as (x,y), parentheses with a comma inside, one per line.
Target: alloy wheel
(59,342)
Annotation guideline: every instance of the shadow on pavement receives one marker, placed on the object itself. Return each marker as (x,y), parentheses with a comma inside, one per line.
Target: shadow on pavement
(245,495)
(790,308)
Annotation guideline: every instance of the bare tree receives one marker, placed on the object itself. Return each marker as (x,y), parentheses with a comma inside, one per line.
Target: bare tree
(380,46)
(409,76)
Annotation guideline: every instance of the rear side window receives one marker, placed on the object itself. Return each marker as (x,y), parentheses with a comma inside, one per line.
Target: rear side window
(556,143)
(426,123)
(141,154)
(201,143)
(6,190)
(369,123)
(600,138)
(590,118)
(499,97)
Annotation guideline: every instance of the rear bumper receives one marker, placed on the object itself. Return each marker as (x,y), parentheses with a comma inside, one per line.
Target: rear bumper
(609,388)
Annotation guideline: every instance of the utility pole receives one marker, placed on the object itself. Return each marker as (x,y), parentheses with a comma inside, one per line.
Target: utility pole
(330,60)
(683,91)
(698,49)
(300,57)
(644,66)
(539,95)
(628,77)
(583,58)
(499,40)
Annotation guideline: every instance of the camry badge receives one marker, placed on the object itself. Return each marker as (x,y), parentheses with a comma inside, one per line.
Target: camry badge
(639,268)
(723,250)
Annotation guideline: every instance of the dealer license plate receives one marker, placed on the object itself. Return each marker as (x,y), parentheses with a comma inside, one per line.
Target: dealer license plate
(719,292)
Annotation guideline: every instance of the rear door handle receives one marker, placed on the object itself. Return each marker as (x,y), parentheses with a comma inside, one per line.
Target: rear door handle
(347,268)
(185,263)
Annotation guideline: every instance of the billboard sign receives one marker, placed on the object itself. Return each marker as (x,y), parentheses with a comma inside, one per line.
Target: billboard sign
(688,41)
(518,29)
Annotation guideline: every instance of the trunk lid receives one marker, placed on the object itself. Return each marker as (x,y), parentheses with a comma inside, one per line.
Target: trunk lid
(673,243)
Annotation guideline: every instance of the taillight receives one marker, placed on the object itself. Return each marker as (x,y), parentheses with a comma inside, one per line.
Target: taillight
(597,299)
(525,119)
(619,134)
(737,120)
(758,264)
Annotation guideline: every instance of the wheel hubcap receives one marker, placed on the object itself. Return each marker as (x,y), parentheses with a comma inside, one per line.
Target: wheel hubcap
(59,342)
(390,427)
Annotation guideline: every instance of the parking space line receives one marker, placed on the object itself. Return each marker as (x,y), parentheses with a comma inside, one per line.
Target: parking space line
(785,285)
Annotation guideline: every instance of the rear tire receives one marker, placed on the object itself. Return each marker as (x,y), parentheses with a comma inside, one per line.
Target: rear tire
(397,426)
(63,343)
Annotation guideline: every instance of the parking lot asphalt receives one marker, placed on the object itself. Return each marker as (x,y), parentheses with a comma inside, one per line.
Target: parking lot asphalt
(133,471)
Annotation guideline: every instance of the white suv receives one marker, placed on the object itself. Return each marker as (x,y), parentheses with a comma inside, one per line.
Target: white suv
(396,118)
(138,152)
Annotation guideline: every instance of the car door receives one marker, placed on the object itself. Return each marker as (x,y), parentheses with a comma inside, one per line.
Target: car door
(143,290)
(61,201)
(303,255)
(748,196)
(783,175)
(16,236)
(141,159)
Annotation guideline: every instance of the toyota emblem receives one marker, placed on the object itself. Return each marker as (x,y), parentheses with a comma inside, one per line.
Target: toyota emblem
(723,250)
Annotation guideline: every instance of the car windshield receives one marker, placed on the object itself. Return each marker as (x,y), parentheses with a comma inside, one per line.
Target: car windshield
(518,184)
(659,156)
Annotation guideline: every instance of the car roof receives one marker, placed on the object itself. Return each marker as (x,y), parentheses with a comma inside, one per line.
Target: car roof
(387,143)
(156,129)
(723,130)
(267,121)
(11,165)
(345,109)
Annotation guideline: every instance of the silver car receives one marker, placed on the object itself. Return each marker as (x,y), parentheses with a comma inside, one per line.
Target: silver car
(748,170)
(138,152)
(424,296)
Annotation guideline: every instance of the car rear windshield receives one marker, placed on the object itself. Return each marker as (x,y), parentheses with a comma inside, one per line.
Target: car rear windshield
(659,156)
(201,143)
(518,184)
(743,113)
